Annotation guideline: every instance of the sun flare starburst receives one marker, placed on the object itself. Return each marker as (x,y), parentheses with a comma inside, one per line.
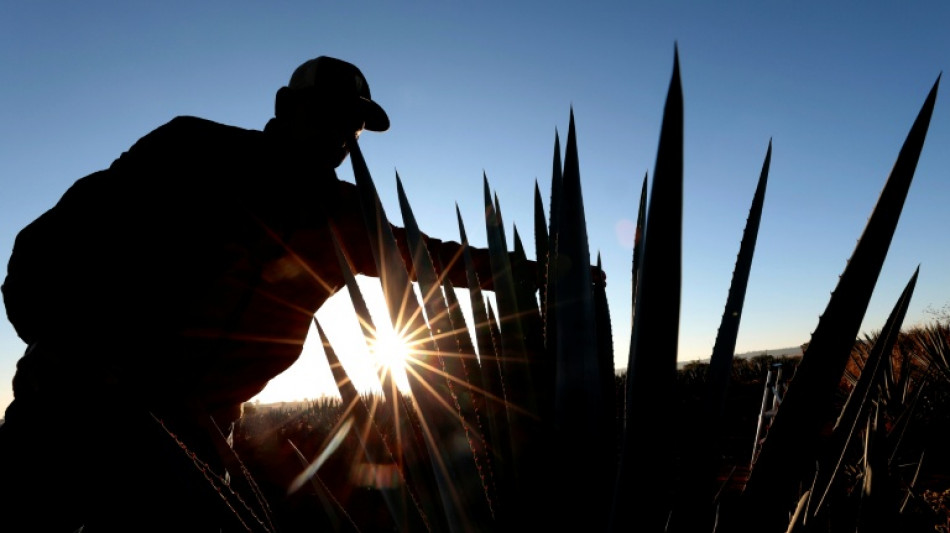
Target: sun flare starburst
(392,353)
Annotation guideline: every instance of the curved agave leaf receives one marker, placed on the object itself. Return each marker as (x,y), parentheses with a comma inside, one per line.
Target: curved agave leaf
(720,364)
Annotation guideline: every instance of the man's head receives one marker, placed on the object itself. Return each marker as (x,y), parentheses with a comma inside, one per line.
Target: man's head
(326,105)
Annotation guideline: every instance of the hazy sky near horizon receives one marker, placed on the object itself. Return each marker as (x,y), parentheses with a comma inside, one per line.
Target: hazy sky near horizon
(483,87)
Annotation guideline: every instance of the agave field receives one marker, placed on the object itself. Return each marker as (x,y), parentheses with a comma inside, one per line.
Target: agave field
(537,431)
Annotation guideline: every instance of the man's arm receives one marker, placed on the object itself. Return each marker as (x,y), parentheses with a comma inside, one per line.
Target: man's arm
(353,232)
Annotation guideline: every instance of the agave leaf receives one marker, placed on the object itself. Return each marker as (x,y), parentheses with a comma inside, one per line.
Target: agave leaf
(541,246)
(332,507)
(897,433)
(638,248)
(374,446)
(789,451)
(720,364)
(529,440)
(406,315)
(404,440)
(608,374)
(696,509)
(858,402)
(518,387)
(579,398)
(702,461)
(440,324)
(879,508)
(463,471)
(474,394)
(526,296)
(797,522)
(912,486)
(651,369)
(490,367)
(362,314)
(540,365)
(550,288)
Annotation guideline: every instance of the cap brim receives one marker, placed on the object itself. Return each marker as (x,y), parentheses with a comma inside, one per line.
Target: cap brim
(375,118)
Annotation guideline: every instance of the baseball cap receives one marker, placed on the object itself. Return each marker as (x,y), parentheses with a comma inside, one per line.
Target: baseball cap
(339,79)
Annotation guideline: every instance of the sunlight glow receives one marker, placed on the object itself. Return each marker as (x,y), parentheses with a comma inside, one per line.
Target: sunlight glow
(391,353)
(310,378)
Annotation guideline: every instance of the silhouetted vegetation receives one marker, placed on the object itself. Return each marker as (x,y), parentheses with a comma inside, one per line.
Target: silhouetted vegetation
(539,420)
(347,502)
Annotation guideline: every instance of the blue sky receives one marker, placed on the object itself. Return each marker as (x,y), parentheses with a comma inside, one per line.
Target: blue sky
(483,86)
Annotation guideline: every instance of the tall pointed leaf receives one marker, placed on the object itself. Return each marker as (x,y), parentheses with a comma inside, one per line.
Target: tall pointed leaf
(541,246)
(391,422)
(789,450)
(859,400)
(702,456)
(463,470)
(579,397)
(550,287)
(406,315)
(651,369)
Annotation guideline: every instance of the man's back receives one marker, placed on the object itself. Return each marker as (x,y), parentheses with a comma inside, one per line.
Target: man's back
(199,246)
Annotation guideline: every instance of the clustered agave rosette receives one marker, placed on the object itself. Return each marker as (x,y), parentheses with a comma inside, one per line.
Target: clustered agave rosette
(524,435)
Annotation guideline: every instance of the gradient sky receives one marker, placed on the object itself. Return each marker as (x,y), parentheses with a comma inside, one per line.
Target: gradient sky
(475,87)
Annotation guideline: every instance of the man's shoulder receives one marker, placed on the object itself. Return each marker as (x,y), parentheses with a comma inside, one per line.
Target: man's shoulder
(187,138)
(190,126)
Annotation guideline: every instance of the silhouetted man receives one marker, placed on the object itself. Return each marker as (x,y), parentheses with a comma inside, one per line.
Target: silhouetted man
(163,292)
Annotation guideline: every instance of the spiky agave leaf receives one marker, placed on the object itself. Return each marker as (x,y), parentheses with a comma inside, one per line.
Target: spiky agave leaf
(720,364)
(519,391)
(372,443)
(408,321)
(462,469)
(475,394)
(859,401)
(789,451)
(554,227)
(490,366)
(608,374)
(651,369)
(879,509)
(334,510)
(540,364)
(541,247)
(526,288)
(638,249)
(581,430)
(695,505)
(388,427)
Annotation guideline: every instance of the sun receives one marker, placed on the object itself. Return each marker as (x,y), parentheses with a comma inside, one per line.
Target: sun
(392,353)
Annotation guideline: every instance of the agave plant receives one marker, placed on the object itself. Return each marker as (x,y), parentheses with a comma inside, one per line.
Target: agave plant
(497,432)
